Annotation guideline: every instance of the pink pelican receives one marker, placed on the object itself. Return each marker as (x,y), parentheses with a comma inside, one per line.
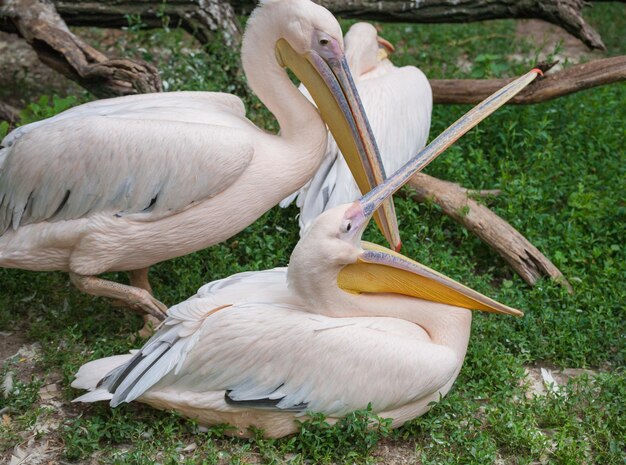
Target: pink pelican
(347,324)
(398,103)
(124,183)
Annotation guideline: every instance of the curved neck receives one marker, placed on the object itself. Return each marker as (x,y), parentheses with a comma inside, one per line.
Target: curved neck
(299,120)
(446,325)
(316,284)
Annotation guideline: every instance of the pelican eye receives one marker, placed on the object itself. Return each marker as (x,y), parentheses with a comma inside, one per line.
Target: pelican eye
(323,42)
(348,227)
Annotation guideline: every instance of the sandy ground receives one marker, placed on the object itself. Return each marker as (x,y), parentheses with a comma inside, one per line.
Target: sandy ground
(548,36)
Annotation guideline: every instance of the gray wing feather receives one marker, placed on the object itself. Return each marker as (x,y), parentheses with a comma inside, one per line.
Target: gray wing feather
(295,364)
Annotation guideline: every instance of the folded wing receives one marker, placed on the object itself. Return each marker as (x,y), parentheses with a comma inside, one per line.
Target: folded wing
(141,154)
(272,356)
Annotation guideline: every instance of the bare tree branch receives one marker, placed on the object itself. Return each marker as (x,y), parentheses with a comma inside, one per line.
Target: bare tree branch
(9,113)
(201,18)
(40,25)
(204,17)
(564,13)
(567,81)
(453,199)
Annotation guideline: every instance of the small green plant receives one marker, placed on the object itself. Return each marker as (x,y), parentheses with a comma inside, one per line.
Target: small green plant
(46,107)
(135,23)
(350,439)
(4,129)
(489,65)
(22,395)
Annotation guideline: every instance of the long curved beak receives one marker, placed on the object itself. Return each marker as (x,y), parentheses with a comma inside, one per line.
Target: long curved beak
(380,270)
(331,85)
(370,201)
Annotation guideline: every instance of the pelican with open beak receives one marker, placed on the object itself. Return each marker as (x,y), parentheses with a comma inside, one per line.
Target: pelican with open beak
(348,324)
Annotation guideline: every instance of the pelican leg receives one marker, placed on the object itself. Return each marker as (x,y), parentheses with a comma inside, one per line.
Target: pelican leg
(139,278)
(134,297)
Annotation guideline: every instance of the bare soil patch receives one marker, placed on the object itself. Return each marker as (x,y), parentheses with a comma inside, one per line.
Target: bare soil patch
(549,37)
(10,343)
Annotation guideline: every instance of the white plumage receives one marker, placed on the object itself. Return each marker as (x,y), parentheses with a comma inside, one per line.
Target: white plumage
(124,183)
(398,104)
(139,171)
(255,349)
(347,324)
(250,343)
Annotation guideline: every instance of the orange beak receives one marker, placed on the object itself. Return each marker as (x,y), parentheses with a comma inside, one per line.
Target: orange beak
(388,46)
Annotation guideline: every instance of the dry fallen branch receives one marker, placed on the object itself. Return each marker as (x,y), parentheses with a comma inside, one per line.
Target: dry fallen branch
(9,113)
(201,18)
(453,199)
(570,80)
(564,13)
(38,23)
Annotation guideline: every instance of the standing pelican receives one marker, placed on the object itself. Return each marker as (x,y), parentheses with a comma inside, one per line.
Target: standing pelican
(347,324)
(124,183)
(398,103)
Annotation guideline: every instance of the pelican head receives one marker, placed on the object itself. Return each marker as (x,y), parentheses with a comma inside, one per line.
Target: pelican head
(331,261)
(308,41)
(365,49)
(332,265)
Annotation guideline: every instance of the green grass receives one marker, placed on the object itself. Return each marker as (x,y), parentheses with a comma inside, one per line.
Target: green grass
(561,168)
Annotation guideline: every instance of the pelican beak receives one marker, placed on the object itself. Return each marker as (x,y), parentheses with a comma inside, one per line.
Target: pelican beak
(380,270)
(330,83)
(370,201)
(385,48)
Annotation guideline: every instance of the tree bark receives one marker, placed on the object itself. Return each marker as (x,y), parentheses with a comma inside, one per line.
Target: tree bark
(9,113)
(567,81)
(563,13)
(201,18)
(453,199)
(41,26)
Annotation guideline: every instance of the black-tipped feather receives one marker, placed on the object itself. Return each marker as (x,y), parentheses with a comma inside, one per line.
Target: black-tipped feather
(263,404)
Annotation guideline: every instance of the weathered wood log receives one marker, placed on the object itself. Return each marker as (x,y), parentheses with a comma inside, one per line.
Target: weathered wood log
(564,82)
(564,13)
(204,17)
(201,18)
(9,113)
(454,201)
(40,25)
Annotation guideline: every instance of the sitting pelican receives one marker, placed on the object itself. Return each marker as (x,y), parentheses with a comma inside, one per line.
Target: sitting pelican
(347,324)
(124,183)
(398,103)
